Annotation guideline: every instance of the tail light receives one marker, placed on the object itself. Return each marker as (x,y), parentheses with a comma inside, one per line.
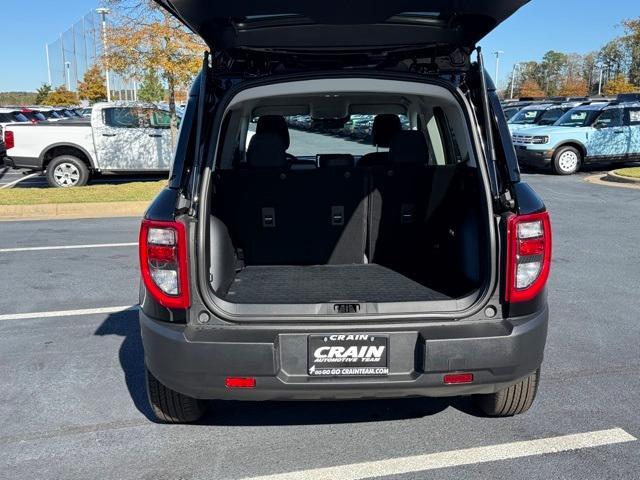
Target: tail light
(9,140)
(528,256)
(163,262)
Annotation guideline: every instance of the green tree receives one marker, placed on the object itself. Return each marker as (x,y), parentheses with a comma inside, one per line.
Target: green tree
(551,71)
(151,88)
(61,97)
(93,87)
(42,93)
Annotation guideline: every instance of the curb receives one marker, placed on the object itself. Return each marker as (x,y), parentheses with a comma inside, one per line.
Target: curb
(52,211)
(612,176)
(600,179)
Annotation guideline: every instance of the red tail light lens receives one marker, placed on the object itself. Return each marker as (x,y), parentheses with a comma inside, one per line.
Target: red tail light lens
(528,256)
(9,140)
(163,262)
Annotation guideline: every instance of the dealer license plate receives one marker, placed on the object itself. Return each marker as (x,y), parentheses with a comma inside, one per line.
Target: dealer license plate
(348,355)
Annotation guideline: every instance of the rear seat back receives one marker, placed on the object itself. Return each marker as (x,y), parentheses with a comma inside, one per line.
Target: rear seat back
(302,217)
(398,200)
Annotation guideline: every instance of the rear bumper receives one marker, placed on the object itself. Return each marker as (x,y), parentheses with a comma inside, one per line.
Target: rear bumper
(534,158)
(195,361)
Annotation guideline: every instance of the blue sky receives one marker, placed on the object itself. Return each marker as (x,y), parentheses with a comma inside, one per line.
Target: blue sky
(566,25)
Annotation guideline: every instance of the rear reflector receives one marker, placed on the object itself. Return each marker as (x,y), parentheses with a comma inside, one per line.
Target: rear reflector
(457,378)
(240,382)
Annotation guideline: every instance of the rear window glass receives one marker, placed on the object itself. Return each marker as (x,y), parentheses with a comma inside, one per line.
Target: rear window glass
(125,117)
(309,137)
(525,117)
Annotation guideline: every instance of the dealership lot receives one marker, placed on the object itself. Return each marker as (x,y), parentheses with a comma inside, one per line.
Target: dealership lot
(73,402)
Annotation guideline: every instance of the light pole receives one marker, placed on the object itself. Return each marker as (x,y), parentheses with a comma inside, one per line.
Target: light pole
(600,81)
(497,53)
(104,12)
(67,67)
(516,66)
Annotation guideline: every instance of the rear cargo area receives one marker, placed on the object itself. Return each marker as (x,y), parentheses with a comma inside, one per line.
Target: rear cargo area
(306,212)
(407,233)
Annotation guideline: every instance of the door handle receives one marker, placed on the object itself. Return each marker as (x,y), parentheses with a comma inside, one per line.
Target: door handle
(155,135)
(618,131)
(108,134)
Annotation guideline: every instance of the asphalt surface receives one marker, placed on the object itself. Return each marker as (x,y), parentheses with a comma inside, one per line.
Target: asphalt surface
(72,402)
(10,175)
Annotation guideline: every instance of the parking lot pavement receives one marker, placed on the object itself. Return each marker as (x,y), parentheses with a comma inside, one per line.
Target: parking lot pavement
(73,405)
(8,176)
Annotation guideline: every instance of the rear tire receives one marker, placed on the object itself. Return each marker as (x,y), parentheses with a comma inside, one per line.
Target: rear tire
(567,161)
(512,400)
(170,406)
(67,171)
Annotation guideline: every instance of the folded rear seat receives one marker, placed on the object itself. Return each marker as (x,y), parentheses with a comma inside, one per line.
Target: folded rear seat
(398,199)
(278,216)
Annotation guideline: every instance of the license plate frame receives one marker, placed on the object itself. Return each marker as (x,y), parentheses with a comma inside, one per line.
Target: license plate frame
(348,355)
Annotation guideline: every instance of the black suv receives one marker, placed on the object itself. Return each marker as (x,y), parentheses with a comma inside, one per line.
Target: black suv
(297,265)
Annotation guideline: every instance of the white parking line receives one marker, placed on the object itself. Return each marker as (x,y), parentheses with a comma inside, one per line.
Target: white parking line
(67,247)
(15,182)
(454,458)
(67,313)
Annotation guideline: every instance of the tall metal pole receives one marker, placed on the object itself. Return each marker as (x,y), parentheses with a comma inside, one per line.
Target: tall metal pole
(497,54)
(67,66)
(104,12)
(600,81)
(516,66)
(46,47)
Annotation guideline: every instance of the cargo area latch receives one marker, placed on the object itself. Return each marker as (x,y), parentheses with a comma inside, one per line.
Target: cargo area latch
(346,308)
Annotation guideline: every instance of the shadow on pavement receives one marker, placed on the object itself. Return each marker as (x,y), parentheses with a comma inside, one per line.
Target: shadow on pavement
(231,413)
(125,324)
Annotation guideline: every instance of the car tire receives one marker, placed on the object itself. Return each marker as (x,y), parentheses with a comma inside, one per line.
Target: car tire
(512,400)
(567,161)
(67,171)
(170,406)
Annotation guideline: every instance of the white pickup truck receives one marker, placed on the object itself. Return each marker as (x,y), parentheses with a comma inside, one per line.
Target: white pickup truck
(120,137)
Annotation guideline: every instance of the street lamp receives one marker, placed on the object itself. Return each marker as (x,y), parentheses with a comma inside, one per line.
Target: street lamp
(104,12)
(516,66)
(600,80)
(497,53)
(67,66)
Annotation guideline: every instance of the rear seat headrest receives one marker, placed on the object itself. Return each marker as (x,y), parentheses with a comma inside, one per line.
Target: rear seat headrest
(336,160)
(266,150)
(385,127)
(274,124)
(409,146)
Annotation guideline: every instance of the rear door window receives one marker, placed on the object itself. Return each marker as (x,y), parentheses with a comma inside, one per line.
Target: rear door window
(632,116)
(609,118)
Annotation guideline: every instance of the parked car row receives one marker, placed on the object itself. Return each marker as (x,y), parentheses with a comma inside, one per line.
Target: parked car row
(117,137)
(565,136)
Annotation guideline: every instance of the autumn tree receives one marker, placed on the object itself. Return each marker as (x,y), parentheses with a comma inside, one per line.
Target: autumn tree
(151,88)
(574,87)
(530,88)
(619,85)
(631,42)
(42,93)
(92,87)
(144,37)
(61,97)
